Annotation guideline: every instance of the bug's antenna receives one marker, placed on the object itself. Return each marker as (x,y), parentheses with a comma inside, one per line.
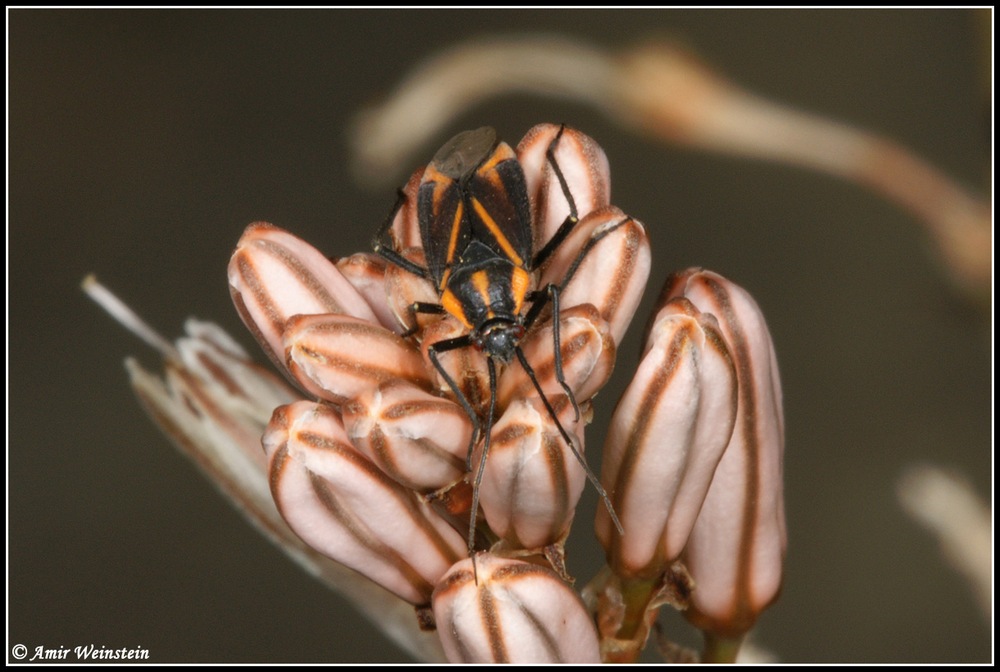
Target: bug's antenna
(481,469)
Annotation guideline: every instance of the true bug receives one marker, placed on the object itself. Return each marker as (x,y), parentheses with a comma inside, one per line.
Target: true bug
(476,229)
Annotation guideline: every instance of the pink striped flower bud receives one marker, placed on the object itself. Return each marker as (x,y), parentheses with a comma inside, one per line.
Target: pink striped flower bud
(587,351)
(405,225)
(403,289)
(532,481)
(274,275)
(466,366)
(337,357)
(604,262)
(418,439)
(343,506)
(511,612)
(667,436)
(366,273)
(584,167)
(736,550)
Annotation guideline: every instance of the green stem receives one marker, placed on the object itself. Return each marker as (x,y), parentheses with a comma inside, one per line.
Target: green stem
(721,649)
(636,595)
(627,642)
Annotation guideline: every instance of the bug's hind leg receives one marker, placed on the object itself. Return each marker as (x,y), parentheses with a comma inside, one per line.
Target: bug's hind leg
(383,245)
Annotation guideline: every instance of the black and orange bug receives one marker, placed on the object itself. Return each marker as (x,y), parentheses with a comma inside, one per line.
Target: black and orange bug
(476,229)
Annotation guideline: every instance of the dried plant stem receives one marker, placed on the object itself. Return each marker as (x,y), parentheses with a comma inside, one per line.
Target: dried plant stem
(947,505)
(458,78)
(626,609)
(669,93)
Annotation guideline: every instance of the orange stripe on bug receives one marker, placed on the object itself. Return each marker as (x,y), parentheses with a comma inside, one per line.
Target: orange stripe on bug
(494,229)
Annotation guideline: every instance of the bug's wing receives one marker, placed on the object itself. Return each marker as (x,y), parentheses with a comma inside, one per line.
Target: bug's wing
(444,229)
(500,213)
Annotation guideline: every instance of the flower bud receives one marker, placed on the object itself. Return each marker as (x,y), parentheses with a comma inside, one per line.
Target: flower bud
(342,505)
(667,436)
(366,273)
(418,439)
(584,166)
(406,224)
(403,289)
(274,275)
(736,550)
(337,357)
(532,481)
(466,366)
(605,262)
(587,351)
(511,612)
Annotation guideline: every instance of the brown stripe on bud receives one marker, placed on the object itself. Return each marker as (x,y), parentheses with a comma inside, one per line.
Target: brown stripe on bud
(337,357)
(737,547)
(343,506)
(515,613)
(274,275)
(406,226)
(418,439)
(667,436)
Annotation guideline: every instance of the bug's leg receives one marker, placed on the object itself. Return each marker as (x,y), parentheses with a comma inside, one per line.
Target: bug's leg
(481,469)
(539,299)
(551,295)
(591,244)
(383,245)
(569,441)
(422,308)
(553,292)
(571,220)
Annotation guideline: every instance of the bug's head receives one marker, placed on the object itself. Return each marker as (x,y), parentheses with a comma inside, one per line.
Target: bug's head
(499,338)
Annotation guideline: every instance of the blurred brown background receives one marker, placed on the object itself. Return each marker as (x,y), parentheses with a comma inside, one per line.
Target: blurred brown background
(142,142)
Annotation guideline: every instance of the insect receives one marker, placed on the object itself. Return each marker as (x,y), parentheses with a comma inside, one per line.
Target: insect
(476,229)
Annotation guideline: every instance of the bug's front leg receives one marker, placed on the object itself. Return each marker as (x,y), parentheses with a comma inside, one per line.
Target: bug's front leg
(432,352)
(422,308)
(596,238)
(445,346)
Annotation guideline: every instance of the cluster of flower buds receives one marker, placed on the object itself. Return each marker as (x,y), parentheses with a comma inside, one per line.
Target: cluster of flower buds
(373,468)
